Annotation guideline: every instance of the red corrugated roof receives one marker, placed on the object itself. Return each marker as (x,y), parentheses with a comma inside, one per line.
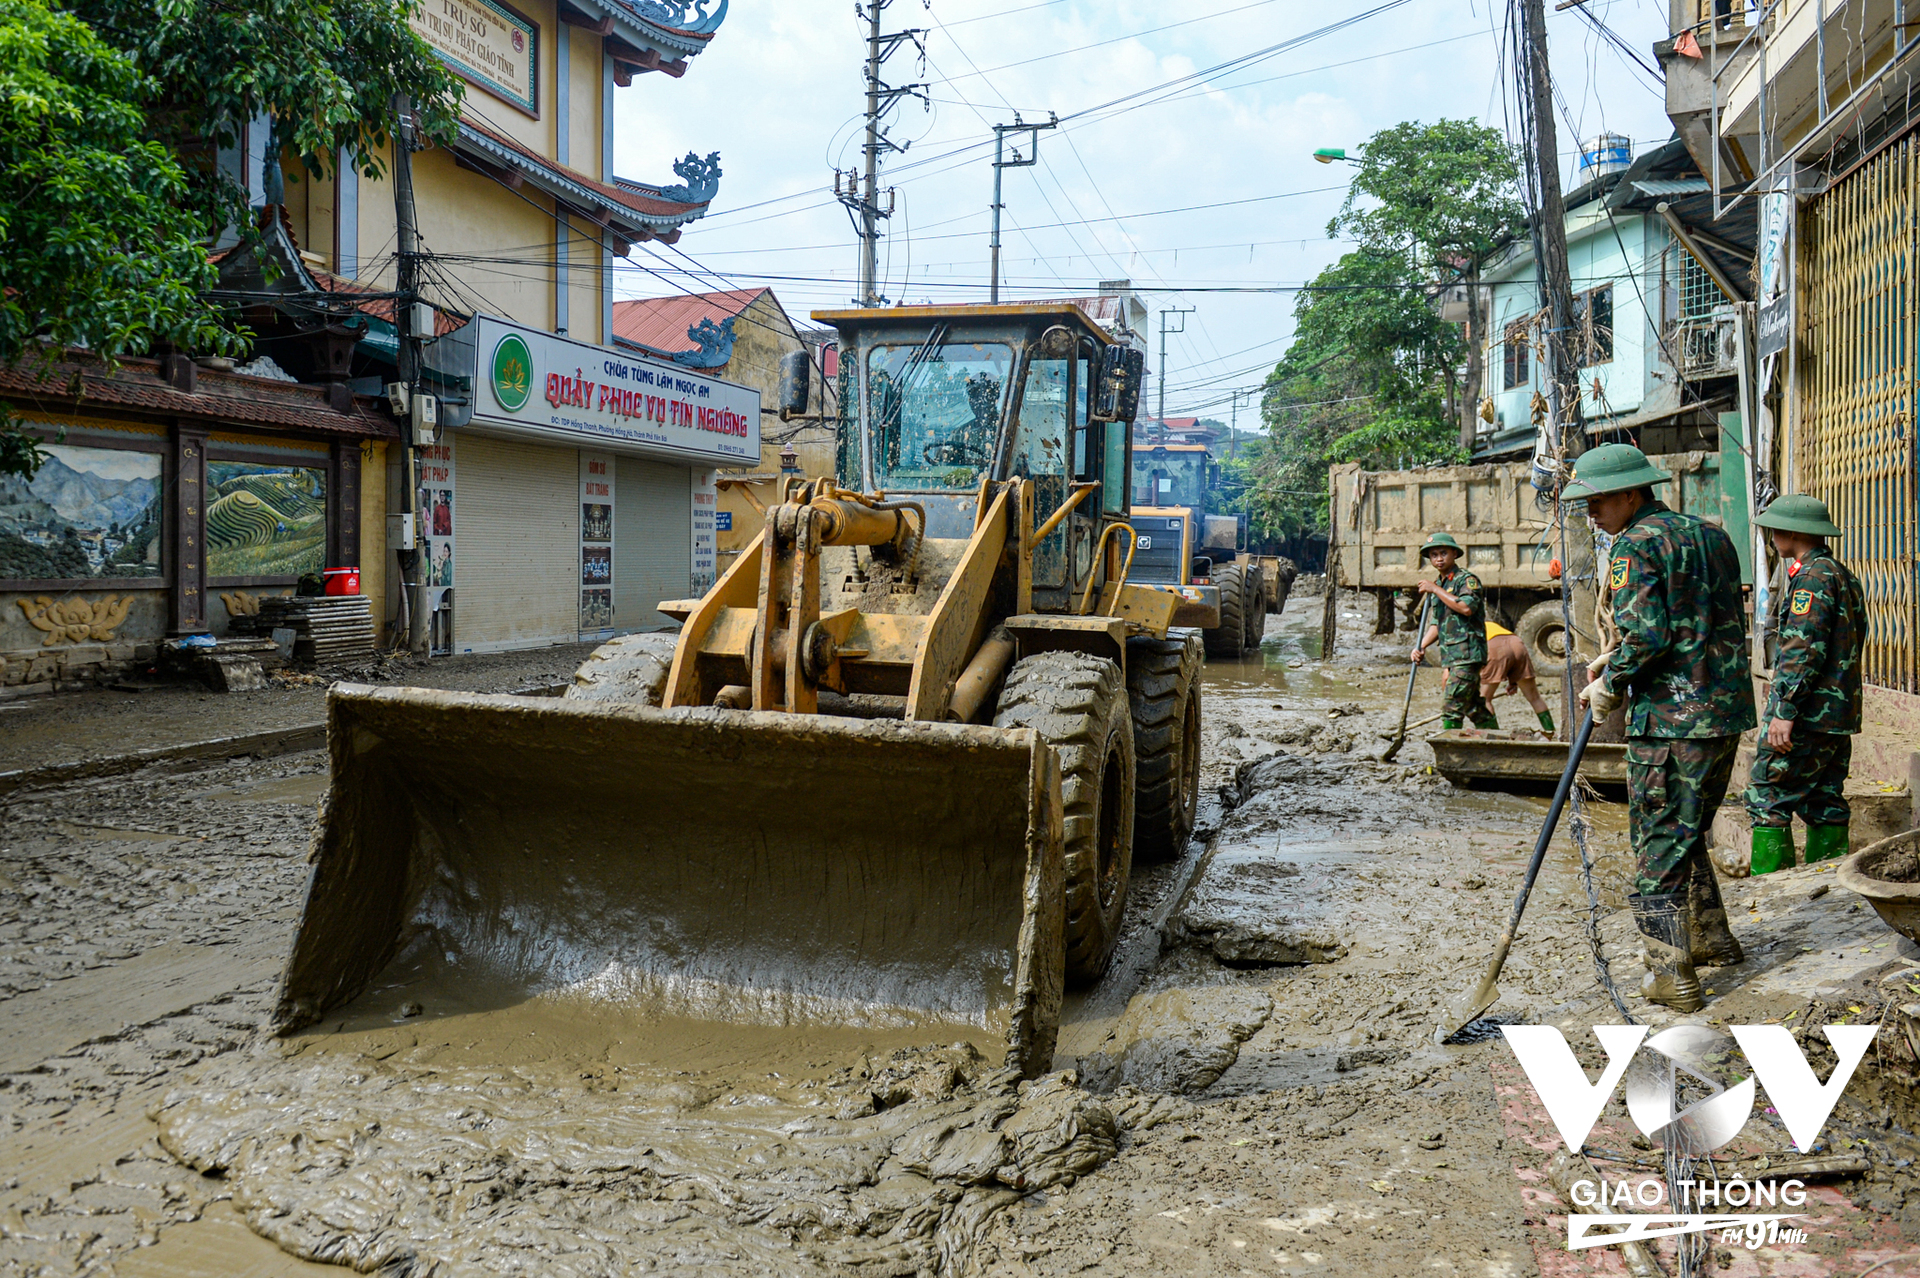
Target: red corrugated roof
(661,323)
(219,397)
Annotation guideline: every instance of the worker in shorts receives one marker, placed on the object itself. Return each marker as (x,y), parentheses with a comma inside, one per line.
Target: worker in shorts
(1508,663)
(1813,708)
(1461,632)
(1681,670)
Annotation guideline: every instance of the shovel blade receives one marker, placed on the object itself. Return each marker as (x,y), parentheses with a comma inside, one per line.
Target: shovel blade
(1464,1011)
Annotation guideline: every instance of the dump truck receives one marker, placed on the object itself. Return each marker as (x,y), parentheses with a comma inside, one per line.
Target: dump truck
(1379,519)
(1183,542)
(893,769)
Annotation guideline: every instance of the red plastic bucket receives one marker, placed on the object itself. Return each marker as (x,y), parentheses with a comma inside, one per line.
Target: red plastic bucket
(342,581)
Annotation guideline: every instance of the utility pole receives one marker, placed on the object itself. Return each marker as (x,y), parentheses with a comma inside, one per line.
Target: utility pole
(1000,132)
(862,193)
(1233,424)
(1182,312)
(413,562)
(1550,236)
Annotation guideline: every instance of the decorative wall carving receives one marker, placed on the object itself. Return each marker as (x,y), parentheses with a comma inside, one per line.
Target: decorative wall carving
(76,620)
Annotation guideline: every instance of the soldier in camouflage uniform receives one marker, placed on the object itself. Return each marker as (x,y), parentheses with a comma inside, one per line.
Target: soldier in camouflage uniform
(1813,709)
(1460,630)
(1681,665)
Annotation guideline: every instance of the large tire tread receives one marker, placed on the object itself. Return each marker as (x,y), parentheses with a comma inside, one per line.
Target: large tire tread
(1163,675)
(1228,639)
(1078,704)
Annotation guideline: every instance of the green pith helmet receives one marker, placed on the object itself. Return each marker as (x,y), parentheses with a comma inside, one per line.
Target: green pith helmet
(1612,468)
(1441,541)
(1797,512)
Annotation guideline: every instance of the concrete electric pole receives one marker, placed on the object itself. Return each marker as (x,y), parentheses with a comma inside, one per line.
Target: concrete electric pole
(1000,132)
(1550,234)
(407,360)
(1182,312)
(862,192)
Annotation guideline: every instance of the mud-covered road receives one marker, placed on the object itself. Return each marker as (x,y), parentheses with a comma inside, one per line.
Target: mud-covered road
(1253,1089)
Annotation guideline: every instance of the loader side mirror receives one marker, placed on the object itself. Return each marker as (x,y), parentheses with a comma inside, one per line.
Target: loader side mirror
(796,383)
(1120,374)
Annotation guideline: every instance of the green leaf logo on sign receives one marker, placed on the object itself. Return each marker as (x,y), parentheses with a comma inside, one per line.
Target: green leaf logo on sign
(512,372)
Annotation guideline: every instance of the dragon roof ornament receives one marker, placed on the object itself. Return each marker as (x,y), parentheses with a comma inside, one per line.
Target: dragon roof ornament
(681,15)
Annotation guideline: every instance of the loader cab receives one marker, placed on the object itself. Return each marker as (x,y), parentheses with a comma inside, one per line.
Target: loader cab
(938,399)
(1169,510)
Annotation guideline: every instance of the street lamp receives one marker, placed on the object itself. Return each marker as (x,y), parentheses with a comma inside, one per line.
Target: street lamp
(1328,154)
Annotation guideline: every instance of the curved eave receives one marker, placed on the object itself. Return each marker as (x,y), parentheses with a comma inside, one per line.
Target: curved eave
(669,43)
(634,216)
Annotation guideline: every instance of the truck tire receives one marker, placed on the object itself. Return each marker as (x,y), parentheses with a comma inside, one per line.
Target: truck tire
(1163,691)
(1229,638)
(1078,705)
(1541,629)
(1255,611)
(631,669)
(1282,588)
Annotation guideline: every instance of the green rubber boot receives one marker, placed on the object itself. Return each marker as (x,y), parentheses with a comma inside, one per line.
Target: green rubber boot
(1773,848)
(1824,842)
(1546,722)
(1489,723)
(1448,725)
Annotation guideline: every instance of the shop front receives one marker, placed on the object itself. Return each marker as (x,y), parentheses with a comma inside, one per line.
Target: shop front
(580,494)
(172,496)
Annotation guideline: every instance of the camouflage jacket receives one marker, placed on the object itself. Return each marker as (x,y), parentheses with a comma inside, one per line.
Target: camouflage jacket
(1821,621)
(1463,640)
(1683,637)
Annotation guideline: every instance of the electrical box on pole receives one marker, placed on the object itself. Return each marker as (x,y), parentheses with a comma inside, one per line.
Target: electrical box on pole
(861,193)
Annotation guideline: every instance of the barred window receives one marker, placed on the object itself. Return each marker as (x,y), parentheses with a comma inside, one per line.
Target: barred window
(1593,325)
(1699,295)
(1517,353)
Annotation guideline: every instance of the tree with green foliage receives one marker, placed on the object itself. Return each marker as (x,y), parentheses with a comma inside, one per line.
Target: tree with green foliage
(1373,374)
(111,115)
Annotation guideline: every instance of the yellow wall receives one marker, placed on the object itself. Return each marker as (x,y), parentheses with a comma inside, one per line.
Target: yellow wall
(374,558)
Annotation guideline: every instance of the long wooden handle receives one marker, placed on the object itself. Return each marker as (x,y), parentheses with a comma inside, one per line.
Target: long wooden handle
(1406,707)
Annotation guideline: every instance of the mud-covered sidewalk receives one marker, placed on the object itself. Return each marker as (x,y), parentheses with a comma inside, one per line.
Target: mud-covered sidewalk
(1252,1089)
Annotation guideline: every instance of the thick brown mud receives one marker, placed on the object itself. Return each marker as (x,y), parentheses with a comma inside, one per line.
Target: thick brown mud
(1253,1088)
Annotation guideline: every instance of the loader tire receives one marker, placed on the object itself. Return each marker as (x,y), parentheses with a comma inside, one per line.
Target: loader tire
(1078,705)
(1544,633)
(630,670)
(1229,638)
(1284,573)
(1163,690)
(1255,610)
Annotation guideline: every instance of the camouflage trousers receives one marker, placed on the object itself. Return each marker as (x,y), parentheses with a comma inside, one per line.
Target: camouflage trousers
(1461,700)
(1807,780)
(1674,787)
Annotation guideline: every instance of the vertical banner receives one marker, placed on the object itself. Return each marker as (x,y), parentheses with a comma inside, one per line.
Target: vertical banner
(706,499)
(596,544)
(434,534)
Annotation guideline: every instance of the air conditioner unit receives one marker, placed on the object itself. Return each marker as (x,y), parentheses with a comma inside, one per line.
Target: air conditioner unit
(1708,347)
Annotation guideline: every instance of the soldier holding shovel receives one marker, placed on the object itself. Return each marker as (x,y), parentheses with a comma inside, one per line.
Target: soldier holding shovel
(1461,632)
(1681,668)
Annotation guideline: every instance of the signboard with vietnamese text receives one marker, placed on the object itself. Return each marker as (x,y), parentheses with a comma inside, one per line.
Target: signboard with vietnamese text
(488,43)
(549,389)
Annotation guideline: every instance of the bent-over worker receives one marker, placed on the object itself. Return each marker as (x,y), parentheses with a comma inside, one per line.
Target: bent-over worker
(1813,709)
(1681,667)
(1461,632)
(1508,663)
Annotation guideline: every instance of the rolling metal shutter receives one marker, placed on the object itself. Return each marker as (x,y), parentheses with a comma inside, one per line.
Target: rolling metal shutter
(653,541)
(517,553)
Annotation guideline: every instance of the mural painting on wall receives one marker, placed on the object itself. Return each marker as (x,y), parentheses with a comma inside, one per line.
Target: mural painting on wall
(265,520)
(88,512)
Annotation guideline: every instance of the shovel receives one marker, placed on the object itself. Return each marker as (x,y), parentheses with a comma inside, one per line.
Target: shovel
(1463,1012)
(1400,734)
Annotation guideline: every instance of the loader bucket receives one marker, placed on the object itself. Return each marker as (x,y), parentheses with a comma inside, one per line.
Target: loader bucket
(711,865)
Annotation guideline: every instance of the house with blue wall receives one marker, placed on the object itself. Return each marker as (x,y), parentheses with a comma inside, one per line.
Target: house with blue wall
(1655,332)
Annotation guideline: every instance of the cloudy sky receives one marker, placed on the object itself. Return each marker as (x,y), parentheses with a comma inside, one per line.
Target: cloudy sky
(1193,178)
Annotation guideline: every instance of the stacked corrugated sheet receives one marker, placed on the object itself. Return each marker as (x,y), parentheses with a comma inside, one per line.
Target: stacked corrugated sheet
(327,629)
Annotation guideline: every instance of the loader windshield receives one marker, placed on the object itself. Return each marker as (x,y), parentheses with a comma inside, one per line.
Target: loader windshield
(1163,477)
(935,411)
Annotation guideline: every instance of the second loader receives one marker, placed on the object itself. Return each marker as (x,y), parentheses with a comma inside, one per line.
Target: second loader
(892,771)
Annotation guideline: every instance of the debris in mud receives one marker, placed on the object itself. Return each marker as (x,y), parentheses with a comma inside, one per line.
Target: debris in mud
(1178,1040)
(370,1163)
(1243,912)
(1902,865)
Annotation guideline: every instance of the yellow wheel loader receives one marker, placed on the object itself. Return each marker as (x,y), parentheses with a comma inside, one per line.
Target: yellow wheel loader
(891,772)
